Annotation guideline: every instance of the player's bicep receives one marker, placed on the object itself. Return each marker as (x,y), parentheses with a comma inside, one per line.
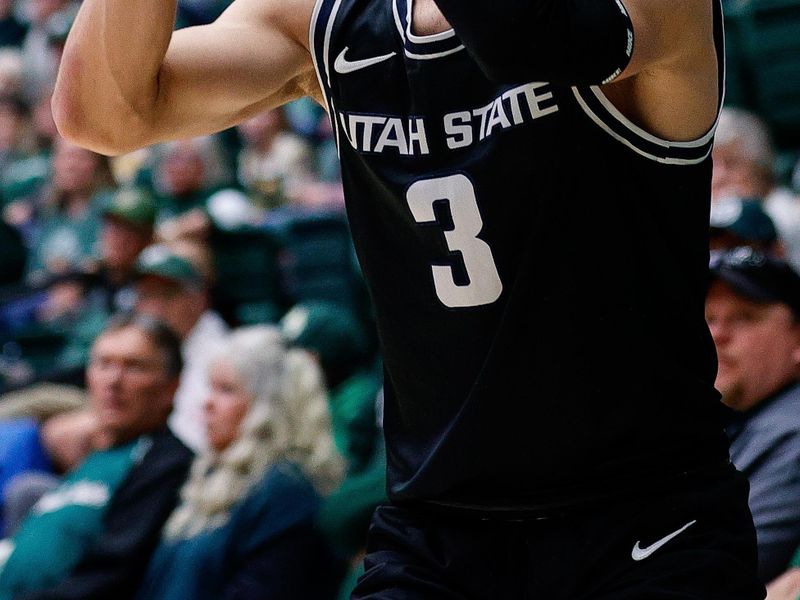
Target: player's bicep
(216,75)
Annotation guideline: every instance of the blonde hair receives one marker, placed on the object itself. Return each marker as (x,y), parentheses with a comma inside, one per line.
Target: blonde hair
(288,420)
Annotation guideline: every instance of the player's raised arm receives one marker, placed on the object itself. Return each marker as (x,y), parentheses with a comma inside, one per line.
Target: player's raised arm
(127,80)
(575,41)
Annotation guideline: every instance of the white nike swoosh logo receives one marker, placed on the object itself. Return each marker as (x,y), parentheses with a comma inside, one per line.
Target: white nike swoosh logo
(641,553)
(343,66)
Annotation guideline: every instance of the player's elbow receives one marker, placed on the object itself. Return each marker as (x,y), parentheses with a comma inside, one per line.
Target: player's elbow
(67,117)
(103,131)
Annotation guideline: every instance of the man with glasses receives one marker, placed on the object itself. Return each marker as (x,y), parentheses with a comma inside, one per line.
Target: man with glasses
(91,536)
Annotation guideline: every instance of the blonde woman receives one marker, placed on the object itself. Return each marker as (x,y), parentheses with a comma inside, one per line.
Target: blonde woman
(245,527)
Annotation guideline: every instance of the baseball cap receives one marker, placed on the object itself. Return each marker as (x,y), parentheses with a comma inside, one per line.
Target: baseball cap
(327,328)
(159,260)
(757,276)
(132,205)
(743,217)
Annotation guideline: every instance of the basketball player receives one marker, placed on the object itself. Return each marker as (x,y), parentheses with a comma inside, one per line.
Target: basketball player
(528,187)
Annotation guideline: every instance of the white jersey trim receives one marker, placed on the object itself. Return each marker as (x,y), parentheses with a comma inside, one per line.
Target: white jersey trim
(326,59)
(410,54)
(313,47)
(649,137)
(423,39)
(407,36)
(326,50)
(667,160)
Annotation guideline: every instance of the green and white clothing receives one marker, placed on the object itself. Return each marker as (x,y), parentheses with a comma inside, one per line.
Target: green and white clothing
(66,242)
(67,520)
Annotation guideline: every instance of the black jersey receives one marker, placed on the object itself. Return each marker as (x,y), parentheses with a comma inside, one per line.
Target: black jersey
(538,267)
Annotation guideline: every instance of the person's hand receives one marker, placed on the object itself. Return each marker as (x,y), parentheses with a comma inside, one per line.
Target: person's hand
(785,587)
(63,299)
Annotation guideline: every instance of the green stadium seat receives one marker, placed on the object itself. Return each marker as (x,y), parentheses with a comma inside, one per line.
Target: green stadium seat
(765,51)
(247,287)
(738,87)
(37,348)
(317,260)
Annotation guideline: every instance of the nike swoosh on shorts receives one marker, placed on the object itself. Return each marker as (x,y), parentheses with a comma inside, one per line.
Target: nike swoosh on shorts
(641,553)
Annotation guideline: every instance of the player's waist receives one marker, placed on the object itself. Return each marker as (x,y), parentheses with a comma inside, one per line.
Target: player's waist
(580,500)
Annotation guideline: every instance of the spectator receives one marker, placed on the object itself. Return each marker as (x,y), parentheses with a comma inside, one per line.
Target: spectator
(11,73)
(742,222)
(92,536)
(126,230)
(338,340)
(15,139)
(37,323)
(78,302)
(51,447)
(57,29)
(785,587)
(12,31)
(43,124)
(26,173)
(245,525)
(753,311)
(71,225)
(744,167)
(188,176)
(172,288)
(274,161)
(40,63)
(744,156)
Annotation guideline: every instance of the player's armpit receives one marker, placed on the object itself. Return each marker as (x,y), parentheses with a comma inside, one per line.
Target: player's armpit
(572,42)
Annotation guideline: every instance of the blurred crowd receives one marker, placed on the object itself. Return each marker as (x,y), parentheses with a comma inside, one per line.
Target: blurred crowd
(190,381)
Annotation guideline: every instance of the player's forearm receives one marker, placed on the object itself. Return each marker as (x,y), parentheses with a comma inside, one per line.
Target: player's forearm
(563,41)
(108,80)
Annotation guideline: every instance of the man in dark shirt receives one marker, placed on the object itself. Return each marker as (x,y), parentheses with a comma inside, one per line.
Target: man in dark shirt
(92,536)
(753,309)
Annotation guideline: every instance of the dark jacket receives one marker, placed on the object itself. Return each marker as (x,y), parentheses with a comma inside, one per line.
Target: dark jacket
(267,549)
(115,564)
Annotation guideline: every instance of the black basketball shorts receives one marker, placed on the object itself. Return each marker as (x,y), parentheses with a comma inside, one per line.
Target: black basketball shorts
(696,542)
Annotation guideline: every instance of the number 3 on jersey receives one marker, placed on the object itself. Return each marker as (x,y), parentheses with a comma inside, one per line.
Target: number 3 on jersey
(484,285)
